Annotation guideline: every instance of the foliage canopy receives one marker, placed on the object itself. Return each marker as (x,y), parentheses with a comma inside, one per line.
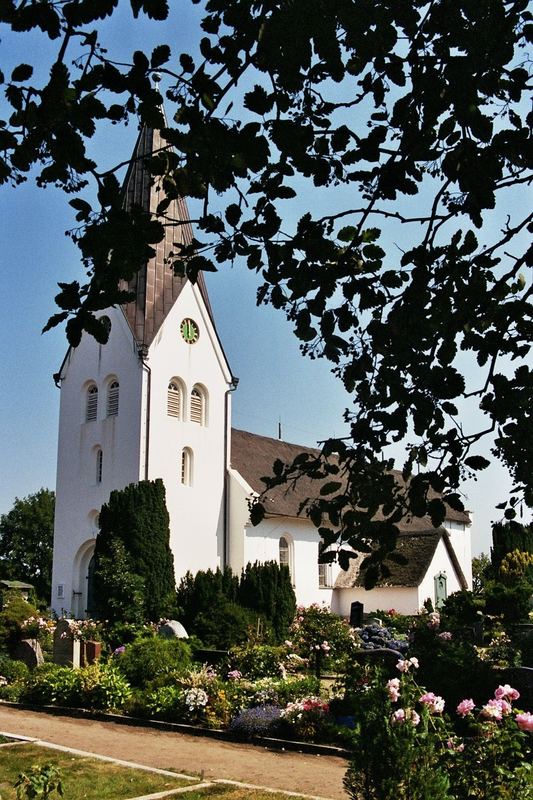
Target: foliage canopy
(26,541)
(405,114)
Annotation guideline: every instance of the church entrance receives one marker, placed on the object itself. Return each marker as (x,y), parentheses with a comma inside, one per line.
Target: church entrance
(83,605)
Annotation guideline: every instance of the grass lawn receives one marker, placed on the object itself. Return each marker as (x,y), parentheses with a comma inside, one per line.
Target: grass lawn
(83,778)
(92,779)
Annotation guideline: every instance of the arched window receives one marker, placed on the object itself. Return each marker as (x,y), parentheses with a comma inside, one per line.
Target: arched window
(174,399)
(324,570)
(99,465)
(112,399)
(91,406)
(186,466)
(286,555)
(198,409)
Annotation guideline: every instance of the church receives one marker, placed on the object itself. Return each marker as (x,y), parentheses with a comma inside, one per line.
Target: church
(155,402)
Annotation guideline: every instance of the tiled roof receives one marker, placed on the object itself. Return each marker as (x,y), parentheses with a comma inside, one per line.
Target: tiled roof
(253,456)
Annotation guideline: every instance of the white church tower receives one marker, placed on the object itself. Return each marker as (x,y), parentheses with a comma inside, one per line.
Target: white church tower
(154,402)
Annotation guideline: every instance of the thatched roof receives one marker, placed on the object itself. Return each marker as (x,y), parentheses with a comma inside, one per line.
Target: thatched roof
(253,456)
(418,549)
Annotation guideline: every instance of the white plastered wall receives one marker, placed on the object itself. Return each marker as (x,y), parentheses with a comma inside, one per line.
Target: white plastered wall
(79,496)
(439,563)
(404,599)
(196,511)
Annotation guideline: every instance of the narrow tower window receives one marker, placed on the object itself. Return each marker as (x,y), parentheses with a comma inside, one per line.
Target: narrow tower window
(186,466)
(91,408)
(112,399)
(99,465)
(174,400)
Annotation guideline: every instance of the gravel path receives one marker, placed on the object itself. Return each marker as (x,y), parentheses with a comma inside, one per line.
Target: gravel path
(296,772)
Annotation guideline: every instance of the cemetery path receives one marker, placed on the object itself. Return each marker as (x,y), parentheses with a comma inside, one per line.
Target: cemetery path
(296,772)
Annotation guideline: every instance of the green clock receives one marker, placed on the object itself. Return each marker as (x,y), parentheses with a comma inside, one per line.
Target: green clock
(189,331)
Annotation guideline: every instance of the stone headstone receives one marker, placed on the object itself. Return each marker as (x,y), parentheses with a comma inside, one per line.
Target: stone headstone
(356,614)
(173,630)
(29,651)
(66,647)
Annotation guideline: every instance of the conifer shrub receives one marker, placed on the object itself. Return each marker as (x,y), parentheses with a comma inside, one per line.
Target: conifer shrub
(209,603)
(137,518)
(267,589)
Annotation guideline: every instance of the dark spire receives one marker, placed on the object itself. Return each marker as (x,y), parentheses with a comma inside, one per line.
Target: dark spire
(155,285)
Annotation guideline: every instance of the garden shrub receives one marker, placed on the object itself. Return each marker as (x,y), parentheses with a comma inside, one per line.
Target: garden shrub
(14,613)
(267,589)
(257,660)
(52,684)
(460,609)
(165,702)
(13,670)
(103,687)
(118,634)
(225,624)
(146,659)
(323,637)
(307,719)
(513,603)
(264,592)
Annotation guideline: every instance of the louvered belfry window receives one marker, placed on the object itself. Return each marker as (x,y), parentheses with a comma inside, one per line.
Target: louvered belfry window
(91,409)
(174,400)
(197,407)
(112,399)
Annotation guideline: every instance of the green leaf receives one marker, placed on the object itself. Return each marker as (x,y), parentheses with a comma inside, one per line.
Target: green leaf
(22,73)
(257,513)
(258,101)
(233,214)
(160,55)
(331,487)
(477,462)
(347,234)
(186,62)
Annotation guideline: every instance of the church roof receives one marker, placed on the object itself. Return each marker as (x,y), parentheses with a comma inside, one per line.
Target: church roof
(253,456)
(156,286)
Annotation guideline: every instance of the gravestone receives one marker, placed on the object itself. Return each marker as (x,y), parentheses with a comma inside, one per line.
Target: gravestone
(173,630)
(29,651)
(66,647)
(356,614)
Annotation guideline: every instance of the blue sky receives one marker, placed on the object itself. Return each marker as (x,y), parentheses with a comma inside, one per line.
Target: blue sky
(276,382)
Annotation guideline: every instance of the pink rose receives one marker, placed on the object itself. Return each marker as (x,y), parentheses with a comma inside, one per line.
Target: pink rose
(393,689)
(434,703)
(445,636)
(492,710)
(465,707)
(398,718)
(506,692)
(525,721)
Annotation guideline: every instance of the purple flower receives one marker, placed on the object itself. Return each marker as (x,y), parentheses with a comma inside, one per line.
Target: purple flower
(119,650)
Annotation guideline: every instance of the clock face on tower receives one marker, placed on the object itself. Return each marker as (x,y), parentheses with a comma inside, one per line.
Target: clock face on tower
(189,331)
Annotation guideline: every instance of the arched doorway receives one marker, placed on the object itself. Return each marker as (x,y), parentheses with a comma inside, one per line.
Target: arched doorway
(83,581)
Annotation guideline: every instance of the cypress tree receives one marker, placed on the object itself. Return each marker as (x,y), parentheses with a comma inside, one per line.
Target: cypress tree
(138,517)
(507,537)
